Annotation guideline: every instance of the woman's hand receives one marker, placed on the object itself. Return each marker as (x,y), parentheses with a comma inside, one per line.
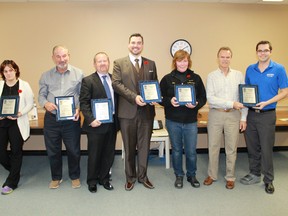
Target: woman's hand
(191,106)
(174,102)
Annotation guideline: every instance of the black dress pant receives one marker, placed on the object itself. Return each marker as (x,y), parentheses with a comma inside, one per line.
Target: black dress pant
(11,160)
(101,150)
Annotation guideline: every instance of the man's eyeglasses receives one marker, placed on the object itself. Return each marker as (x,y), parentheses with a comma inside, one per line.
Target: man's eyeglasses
(263,51)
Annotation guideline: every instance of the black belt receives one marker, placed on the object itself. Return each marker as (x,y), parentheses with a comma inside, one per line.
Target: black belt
(261,111)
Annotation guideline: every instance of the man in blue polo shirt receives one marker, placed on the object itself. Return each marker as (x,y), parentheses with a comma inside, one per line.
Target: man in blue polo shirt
(260,133)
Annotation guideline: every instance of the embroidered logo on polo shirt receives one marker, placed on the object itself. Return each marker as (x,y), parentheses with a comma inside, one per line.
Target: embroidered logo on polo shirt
(270,75)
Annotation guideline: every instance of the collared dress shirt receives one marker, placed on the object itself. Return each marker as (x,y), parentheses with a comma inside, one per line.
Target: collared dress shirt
(53,84)
(132,59)
(222,91)
(109,81)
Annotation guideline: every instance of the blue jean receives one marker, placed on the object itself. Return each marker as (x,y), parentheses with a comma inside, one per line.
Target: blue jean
(183,134)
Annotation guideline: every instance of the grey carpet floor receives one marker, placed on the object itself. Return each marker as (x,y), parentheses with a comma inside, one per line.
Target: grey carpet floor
(33,197)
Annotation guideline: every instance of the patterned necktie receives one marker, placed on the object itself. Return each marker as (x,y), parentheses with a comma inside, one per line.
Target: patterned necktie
(137,65)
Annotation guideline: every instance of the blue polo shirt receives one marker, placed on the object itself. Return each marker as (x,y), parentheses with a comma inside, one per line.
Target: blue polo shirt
(269,82)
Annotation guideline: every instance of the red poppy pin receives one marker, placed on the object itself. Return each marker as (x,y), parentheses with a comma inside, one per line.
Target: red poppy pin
(188,76)
(19,91)
(145,62)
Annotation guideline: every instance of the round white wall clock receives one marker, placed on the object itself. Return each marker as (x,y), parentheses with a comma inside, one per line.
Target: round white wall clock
(180,44)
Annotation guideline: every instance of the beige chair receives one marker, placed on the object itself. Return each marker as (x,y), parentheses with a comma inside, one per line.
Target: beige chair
(159,140)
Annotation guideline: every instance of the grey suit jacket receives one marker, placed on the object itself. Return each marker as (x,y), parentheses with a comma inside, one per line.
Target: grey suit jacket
(124,83)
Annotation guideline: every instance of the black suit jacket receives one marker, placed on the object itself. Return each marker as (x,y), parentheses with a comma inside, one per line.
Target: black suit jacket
(92,88)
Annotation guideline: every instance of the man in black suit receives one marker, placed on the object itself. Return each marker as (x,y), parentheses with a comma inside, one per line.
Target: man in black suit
(135,116)
(101,136)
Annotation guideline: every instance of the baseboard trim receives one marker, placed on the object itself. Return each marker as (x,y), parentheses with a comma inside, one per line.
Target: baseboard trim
(152,151)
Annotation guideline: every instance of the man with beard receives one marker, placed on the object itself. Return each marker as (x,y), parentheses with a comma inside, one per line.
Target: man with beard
(135,116)
(62,80)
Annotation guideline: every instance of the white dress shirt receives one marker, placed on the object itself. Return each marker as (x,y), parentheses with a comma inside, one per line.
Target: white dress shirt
(223,91)
(132,59)
(109,81)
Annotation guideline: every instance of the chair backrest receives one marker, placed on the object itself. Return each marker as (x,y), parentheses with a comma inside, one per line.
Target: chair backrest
(157,125)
